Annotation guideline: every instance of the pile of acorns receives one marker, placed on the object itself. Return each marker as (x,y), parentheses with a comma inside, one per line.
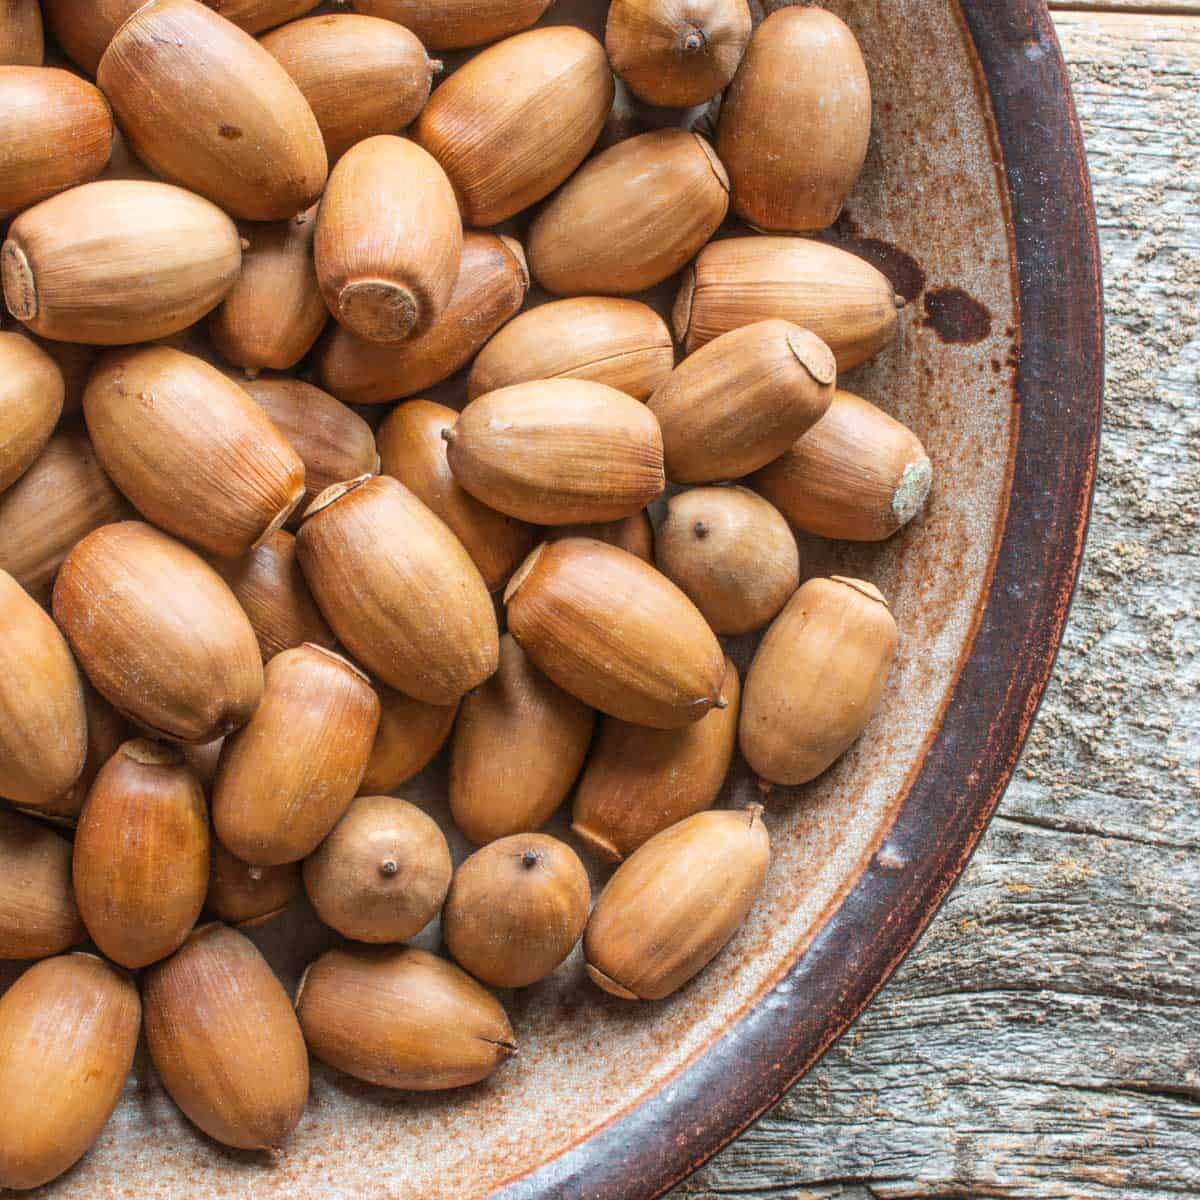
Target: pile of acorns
(259,603)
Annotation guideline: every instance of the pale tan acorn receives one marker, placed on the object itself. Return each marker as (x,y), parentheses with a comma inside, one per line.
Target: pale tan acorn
(31,401)
(38,913)
(410,733)
(456,24)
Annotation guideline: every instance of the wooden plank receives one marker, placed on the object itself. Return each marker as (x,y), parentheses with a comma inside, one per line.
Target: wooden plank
(1044,1039)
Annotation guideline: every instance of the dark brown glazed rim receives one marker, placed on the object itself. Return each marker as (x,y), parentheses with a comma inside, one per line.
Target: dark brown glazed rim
(966,767)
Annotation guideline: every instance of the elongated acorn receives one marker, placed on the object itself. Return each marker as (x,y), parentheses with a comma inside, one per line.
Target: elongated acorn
(31,401)
(516,909)
(22,41)
(634,534)
(401,1017)
(382,873)
(456,24)
(410,733)
(256,15)
(75,361)
(247,896)
(674,904)
(38,913)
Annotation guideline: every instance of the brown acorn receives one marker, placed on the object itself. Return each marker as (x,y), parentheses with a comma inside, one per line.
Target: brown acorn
(43,724)
(286,778)
(518,746)
(622,343)
(401,1017)
(512,123)
(205,106)
(389,240)
(38,914)
(817,679)
(31,401)
(456,24)
(857,474)
(55,132)
(202,759)
(190,449)
(118,261)
(558,451)
(22,41)
(742,400)
(410,733)
(491,287)
(270,587)
(84,30)
(62,497)
(631,216)
(673,905)
(333,441)
(676,53)
(640,781)
(246,896)
(274,312)
(256,15)
(516,909)
(634,534)
(412,449)
(141,854)
(382,873)
(75,362)
(68,1031)
(399,590)
(795,140)
(360,75)
(732,554)
(224,1040)
(159,633)
(608,628)
(845,301)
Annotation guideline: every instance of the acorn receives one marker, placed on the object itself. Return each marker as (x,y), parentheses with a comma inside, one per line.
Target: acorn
(401,1017)
(68,1031)
(491,286)
(270,587)
(732,554)
(141,854)
(674,904)
(247,896)
(84,30)
(274,313)
(839,297)
(118,261)
(676,53)
(794,141)
(634,534)
(43,724)
(256,15)
(558,451)
(516,909)
(190,449)
(399,590)
(224,1040)
(382,873)
(205,106)
(75,362)
(202,759)
(816,680)
(55,132)
(159,633)
(622,343)
(31,401)
(518,746)
(631,216)
(333,441)
(389,240)
(62,497)
(21,37)
(609,629)
(360,75)
(410,733)
(456,24)
(38,914)
(513,123)
(412,449)
(742,400)
(289,774)
(857,474)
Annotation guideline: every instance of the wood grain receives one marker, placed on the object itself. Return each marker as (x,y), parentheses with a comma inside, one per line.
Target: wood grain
(1043,1041)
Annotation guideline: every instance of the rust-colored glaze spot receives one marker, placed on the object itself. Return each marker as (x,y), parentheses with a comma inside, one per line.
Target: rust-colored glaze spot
(230,133)
(956,316)
(904,273)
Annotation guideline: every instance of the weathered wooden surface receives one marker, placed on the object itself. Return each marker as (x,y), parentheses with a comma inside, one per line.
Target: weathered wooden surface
(1044,1039)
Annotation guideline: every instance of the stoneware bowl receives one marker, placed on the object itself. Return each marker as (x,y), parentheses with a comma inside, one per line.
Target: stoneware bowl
(975,202)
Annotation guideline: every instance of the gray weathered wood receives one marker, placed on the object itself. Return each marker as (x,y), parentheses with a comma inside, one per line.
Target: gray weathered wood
(1043,1041)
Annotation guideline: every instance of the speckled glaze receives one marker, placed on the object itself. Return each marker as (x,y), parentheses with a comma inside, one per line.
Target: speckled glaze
(975,180)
